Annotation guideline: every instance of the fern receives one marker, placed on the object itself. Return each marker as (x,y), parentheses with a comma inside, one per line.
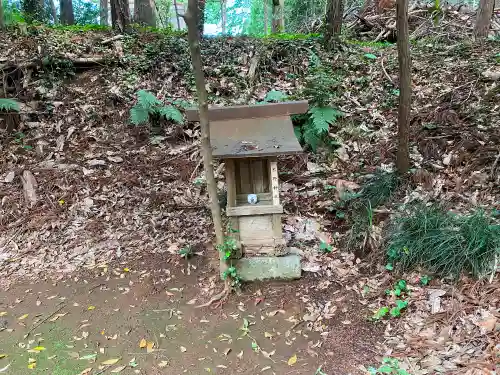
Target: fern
(322,117)
(8,105)
(149,107)
(275,96)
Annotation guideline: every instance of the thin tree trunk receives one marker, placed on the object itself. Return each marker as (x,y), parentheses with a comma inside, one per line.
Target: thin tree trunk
(483,20)
(266,17)
(223,12)
(144,12)
(333,22)
(53,12)
(200,16)
(120,15)
(177,15)
(103,12)
(403,153)
(192,18)
(278,22)
(67,15)
(2,21)
(32,10)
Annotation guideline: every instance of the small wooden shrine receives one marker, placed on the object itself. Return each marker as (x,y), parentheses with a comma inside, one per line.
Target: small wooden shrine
(248,139)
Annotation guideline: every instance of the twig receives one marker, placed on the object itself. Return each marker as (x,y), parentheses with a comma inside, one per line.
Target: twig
(493,168)
(44,320)
(112,39)
(385,72)
(195,169)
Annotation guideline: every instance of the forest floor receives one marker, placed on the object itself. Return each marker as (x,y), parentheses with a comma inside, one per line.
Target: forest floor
(143,319)
(96,235)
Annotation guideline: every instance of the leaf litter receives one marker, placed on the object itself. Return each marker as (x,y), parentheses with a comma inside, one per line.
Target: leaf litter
(106,204)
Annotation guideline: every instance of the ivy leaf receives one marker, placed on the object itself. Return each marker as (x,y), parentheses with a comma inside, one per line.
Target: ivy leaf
(385,369)
(370,56)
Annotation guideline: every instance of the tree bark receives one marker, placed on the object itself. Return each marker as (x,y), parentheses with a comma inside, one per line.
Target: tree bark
(278,21)
(2,22)
(403,153)
(32,10)
(266,17)
(333,22)
(53,12)
(200,16)
(223,12)
(120,15)
(66,10)
(192,21)
(144,12)
(177,17)
(103,12)
(483,20)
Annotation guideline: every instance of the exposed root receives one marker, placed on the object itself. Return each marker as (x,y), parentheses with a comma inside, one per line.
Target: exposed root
(219,299)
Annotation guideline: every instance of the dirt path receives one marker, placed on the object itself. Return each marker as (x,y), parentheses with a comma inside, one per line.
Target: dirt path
(75,325)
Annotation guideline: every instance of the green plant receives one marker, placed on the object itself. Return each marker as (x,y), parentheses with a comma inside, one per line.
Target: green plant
(399,289)
(325,247)
(9,105)
(438,241)
(149,109)
(19,139)
(186,252)
(389,366)
(229,248)
(321,87)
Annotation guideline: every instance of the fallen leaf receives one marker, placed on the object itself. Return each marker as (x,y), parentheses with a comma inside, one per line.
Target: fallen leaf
(39,348)
(488,324)
(3,369)
(163,364)
(292,360)
(110,362)
(143,343)
(191,302)
(240,355)
(86,371)
(118,369)
(268,335)
(3,313)
(22,317)
(91,308)
(89,357)
(183,349)
(226,351)
(149,346)
(265,368)
(57,316)
(3,356)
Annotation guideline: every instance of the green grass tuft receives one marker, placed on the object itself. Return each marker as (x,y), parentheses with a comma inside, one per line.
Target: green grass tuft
(444,243)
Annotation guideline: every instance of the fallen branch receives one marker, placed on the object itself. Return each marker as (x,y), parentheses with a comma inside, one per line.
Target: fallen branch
(221,297)
(385,72)
(44,320)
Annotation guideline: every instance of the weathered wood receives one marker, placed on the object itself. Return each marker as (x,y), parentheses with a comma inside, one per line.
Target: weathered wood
(256,209)
(274,181)
(232,202)
(257,170)
(250,111)
(243,168)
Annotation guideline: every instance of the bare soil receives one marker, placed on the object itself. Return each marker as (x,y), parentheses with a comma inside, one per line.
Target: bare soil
(107,312)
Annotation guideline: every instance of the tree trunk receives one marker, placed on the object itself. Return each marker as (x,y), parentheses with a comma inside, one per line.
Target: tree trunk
(483,20)
(120,15)
(32,10)
(177,17)
(103,12)
(192,21)
(66,10)
(266,17)
(53,12)
(278,21)
(403,153)
(144,12)
(223,12)
(200,16)
(333,22)
(2,22)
